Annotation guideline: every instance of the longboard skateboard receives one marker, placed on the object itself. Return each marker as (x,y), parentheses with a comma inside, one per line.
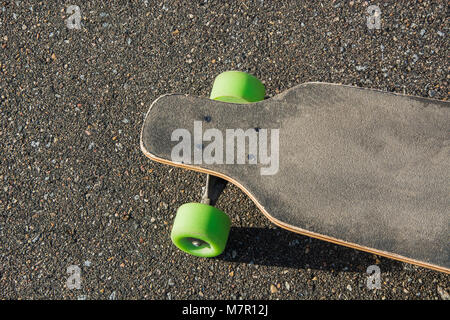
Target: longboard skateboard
(357,167)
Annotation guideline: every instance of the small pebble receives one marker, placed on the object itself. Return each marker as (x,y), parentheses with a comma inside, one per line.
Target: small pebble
(273,289)
(287,285)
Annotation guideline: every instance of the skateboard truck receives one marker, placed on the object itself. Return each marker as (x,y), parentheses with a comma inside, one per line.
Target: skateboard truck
(201,229)
(213,188)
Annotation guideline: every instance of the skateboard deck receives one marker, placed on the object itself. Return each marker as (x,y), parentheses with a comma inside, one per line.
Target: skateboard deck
(357,167)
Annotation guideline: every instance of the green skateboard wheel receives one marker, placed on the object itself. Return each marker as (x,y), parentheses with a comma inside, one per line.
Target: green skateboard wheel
(200,229)
(237,87)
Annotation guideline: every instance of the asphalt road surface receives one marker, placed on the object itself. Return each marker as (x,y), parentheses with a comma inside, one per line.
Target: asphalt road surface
(76,190)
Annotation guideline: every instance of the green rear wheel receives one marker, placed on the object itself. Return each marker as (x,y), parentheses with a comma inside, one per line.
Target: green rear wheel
(237,87)
(200,229)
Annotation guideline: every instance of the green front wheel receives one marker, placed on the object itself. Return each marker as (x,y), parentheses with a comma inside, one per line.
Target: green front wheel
(200,229)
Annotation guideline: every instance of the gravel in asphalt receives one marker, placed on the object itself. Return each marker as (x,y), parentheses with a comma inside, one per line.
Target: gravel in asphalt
(75,188)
